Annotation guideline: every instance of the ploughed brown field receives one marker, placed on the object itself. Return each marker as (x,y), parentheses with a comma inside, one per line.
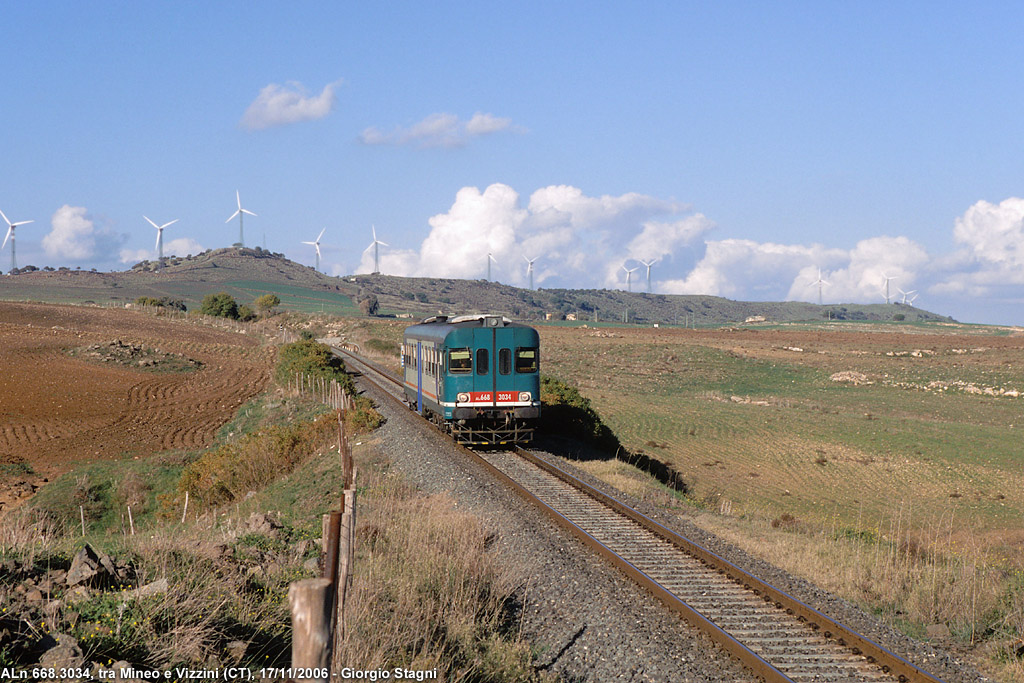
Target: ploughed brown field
(59,409)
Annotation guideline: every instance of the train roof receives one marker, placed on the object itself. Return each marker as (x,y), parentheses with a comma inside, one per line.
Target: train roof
(439,326)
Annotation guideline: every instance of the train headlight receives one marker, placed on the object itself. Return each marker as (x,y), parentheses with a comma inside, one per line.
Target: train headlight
(524,397)
(462,398)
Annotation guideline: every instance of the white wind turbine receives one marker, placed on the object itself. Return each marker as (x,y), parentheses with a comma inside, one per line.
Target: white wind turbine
(241,235)
(160,239)
(821,283)
(316,245)
(649,264)
(629,276)
(10,236)
(529,268)
(490,257)
(907,294)
(886,286)
(376,244)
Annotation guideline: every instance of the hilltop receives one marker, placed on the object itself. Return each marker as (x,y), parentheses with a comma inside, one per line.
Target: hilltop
(248,273)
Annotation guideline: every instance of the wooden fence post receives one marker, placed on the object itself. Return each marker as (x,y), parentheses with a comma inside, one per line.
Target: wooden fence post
(310,602)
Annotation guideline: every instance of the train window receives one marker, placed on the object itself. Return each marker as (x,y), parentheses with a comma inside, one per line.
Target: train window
(460,361)
(505,361)
(526,360)
(483,363)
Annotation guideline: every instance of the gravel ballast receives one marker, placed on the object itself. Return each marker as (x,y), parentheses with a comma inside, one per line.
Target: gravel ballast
(585,620)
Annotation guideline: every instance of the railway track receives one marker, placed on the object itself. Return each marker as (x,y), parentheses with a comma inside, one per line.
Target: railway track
(775,635)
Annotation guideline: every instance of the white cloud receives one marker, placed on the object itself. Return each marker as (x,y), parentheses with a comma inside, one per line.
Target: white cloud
(994,233)
(74,235)
(862,277)
(440,130)
(579,240)
(738,268)
(181,246)
(991,258)
(278,105)
(745,269)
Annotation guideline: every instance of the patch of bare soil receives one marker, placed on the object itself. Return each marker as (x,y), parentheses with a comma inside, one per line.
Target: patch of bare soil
(58,409)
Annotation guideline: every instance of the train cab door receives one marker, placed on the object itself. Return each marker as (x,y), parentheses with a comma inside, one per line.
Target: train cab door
(483,361)
(419,377)
(504,378)
(493,380)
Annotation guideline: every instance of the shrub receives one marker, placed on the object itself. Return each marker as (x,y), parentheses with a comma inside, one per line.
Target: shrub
(369,305)
(312,358)
(162,302)
(567,412)
(220,305)
(228,472)
(266,303)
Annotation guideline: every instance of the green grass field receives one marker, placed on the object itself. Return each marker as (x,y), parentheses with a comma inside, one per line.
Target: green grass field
(766,428)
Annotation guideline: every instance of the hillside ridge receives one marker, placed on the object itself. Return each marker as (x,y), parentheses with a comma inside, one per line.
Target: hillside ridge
(248,272)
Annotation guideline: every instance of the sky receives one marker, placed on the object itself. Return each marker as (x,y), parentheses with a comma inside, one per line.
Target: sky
(747,147)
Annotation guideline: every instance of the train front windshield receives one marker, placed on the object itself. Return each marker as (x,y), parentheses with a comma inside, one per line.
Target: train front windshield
(526,360)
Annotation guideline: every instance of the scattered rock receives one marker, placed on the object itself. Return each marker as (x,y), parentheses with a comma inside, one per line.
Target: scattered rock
(90,567)
(65,653)
(235,650)
(157,587)
(855,378)
(263,523)
(77,593)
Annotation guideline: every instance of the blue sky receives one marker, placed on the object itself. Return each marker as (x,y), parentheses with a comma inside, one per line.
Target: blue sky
(743,145)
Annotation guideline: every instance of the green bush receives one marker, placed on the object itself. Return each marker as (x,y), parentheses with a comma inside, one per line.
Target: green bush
(266,303)
(566,412)
(312,358)
(220,305)
(162,302)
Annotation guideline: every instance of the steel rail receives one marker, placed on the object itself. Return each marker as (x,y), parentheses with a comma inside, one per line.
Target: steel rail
(814,620)
(814,626)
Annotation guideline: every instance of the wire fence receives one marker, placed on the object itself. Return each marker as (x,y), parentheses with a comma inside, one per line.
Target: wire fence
(318,605)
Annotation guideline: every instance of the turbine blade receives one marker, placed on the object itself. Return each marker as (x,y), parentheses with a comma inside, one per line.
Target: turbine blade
(232,216)
(317,250)
(7,237)
(14,225)
(171,223)
(7,220)
(238,198)
(310,243)
(159,234)
(247,211)
(384,244)
(320,235)
(152,223)
(374,229)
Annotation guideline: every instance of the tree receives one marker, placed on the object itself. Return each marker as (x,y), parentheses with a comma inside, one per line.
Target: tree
(245,313)
(266,303)
(221,305)
(369,305)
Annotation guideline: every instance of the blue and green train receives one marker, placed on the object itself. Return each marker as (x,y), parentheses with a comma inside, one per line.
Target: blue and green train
(475,376)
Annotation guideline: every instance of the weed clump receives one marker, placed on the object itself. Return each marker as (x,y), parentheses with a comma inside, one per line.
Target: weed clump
(227,473)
